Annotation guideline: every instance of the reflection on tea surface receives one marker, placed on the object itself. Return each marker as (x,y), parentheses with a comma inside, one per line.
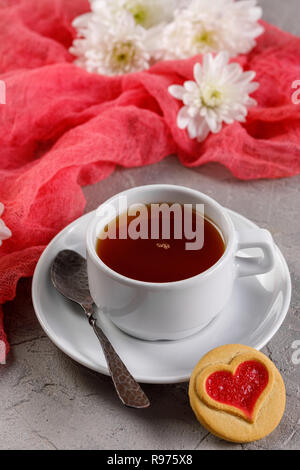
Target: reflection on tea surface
(159,258)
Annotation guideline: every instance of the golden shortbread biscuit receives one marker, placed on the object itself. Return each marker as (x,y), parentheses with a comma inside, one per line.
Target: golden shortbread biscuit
(237,393)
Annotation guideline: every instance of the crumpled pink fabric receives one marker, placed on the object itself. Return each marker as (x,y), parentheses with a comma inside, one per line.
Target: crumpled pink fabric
(62,128)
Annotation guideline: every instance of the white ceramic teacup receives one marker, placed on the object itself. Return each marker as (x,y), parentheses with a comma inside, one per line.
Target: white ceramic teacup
(174,310)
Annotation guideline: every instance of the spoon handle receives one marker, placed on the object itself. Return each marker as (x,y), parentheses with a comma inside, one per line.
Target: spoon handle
(128,390)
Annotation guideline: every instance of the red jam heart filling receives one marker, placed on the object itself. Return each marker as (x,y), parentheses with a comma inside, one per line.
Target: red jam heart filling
(241,389)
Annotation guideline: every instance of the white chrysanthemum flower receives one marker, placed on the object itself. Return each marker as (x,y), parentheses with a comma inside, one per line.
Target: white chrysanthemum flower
(5,233)
(146,13)
(110,44)
(212,26)
(220,93)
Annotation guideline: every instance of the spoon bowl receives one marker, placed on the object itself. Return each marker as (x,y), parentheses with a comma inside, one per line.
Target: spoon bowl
(69,276)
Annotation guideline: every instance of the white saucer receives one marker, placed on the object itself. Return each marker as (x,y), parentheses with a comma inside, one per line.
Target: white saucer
(256,310)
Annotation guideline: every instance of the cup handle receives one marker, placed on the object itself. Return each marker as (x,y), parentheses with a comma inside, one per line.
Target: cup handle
(255,238)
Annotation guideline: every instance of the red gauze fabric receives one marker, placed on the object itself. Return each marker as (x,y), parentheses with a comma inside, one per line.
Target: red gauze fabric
(62,127)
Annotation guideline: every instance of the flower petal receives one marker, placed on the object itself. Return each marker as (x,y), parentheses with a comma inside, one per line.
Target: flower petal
(190,86)
(177,91)
(183,118)
(193,111)
(192,129)
(5,233)
(220,61)
(198,73)
(253,87)
(212,123)
(203,131)
(207,63)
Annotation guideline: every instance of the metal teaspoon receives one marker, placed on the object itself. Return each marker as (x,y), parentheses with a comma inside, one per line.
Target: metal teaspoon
(69,276)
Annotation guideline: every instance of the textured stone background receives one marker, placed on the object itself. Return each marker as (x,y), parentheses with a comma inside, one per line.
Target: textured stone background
(49,402)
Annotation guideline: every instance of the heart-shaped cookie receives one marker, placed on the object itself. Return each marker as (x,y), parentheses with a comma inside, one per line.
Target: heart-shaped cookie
(237,393)
(239,388)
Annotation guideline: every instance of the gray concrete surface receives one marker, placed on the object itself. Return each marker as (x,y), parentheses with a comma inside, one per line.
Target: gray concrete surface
(49,402)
